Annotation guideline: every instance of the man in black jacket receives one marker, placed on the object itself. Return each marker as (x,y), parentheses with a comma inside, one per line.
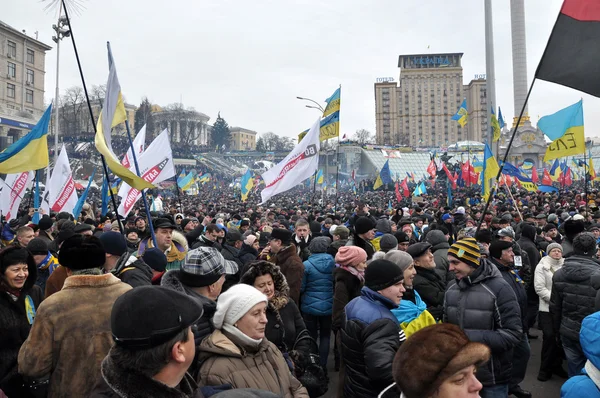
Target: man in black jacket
(427,282)
(364,232)
(528,245)
(574,290)
(125,266)
(502,256)
(481,303)
(231,252)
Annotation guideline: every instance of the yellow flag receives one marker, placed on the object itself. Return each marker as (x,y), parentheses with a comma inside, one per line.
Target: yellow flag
(113,113)
(378,182)
(571,143)
(529,186)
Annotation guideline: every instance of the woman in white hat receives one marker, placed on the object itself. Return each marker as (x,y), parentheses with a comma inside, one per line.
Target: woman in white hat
(238,354)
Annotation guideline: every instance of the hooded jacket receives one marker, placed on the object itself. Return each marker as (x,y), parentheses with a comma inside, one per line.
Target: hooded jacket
(574,289)
(544,272)
(133,271)
(370,338)
(485,307)
(14,328)
(79,342)
(588,384)
(264,368)
(317,285)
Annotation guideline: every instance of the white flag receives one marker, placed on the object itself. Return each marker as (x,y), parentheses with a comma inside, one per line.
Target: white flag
(298,165)
(139,143)
(12,191)
(156,165)
(62,194)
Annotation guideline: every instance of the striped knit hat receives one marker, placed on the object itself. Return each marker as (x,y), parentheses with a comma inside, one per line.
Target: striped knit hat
(466,250)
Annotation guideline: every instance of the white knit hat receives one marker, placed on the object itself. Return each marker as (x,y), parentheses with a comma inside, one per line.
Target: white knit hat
(235,303)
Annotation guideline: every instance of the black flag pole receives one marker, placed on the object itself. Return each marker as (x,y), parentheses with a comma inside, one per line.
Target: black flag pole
(89,105)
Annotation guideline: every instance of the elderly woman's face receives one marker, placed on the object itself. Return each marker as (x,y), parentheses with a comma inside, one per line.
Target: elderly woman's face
(265,285)
(16,275)
(253,323)
(556,254)
(462,384)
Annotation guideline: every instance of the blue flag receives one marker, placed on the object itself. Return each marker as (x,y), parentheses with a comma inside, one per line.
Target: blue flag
(500,119)
(104,197)
(82,198)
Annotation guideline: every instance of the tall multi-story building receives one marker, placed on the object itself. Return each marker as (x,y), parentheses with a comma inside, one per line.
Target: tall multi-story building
(417,111)
(22,70)
(242,139)
(476,94)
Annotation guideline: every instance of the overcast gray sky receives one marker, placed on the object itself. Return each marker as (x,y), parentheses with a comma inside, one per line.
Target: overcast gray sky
(250,59)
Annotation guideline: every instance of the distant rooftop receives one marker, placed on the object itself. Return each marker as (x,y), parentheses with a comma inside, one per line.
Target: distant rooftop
(24,35)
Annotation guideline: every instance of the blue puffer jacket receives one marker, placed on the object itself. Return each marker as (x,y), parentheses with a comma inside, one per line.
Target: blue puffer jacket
(588,384)
(317,285)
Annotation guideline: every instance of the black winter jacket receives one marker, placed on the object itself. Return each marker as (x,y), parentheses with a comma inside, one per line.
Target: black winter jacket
(247,254)
(133,271)
(232,254)
(14,329)
(485,307)
(528,245)
(283,331)
(442,266)
(346,287)
(518,288)
(574,290)
(432,290)
(370,339)
(363,244)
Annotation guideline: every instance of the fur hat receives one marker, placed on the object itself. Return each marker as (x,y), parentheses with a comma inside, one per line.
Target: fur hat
(497,247)
(82,252)
(572,228)
(235,303)
(319,244)
(585,244)
(350,256)
(388,242)
(443,349)
(363,225)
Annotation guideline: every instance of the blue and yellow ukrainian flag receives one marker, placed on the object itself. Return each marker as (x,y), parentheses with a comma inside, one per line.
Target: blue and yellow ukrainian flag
(247,184)
(462,115)
(490,170)
(186,182)
(555,170)
(565,129)
(384,177)
(333,103)
(320,176)
(329,127)
(204,178)
(30,152)
(500,119)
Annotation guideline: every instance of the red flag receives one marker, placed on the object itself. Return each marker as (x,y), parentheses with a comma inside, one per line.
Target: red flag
(398,194)
(567,177)
(534,176)
(518,182)
(546,180)
(474,177)
(431,168)
(404,185)
(353,174)
(433,183)
(508,180)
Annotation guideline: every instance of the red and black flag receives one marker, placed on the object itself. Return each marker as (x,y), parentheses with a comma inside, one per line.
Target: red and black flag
(571,57)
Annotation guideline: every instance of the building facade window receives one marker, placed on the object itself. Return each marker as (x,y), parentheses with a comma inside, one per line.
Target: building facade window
(12,49)
(30,76)
(10,90)
(30,56)
(29,96)
(12,70)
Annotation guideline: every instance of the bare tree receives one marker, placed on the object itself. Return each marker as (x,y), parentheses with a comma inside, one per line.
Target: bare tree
(270,141)
(73,114)
(363,137)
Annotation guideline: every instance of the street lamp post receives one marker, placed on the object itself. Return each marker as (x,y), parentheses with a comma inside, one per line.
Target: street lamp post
(62,30)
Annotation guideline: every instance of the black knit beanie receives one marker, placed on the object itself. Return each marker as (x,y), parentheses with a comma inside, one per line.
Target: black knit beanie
(585,244)
(381,274)
(364,225)
(497,247)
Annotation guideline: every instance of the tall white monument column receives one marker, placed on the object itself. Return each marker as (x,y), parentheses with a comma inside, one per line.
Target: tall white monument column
(490,70)
(519,57)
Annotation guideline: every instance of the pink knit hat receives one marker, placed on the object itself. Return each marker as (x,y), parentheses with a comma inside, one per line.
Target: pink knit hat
(250,239)
(350,256)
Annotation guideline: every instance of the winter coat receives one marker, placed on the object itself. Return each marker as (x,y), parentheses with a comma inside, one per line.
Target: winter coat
(346,288)
(204,325)
(528,246)
(363,244)
(574,289)
(71,335)
(485,307)
(292,268)
(265,368)
(370,338)
(55,282)
(14,328)
(247,254)
(588,384)
(542,281)
(317,285)
(232,254)
(517,286)
(116,382)
(442,266)
(567,247)
(302,246)
(133,271)
(432,290)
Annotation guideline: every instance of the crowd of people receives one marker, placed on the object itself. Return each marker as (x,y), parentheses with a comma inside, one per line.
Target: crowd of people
(217,297)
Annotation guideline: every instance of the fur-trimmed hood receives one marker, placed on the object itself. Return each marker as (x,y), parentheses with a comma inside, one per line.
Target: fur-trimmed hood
(180,238)
(281,296)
